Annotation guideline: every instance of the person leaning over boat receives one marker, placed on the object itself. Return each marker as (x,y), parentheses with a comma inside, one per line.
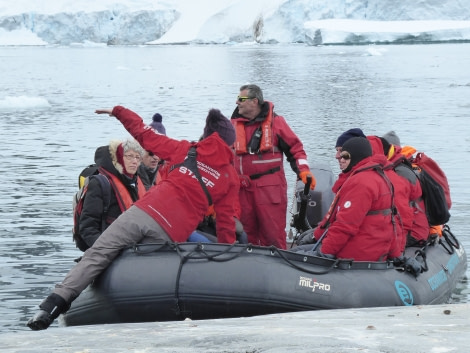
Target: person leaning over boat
(359,224)
(262,139)
(169,211)
(118,161)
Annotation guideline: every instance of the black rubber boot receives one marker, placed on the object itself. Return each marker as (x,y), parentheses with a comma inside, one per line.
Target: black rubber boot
(51,308)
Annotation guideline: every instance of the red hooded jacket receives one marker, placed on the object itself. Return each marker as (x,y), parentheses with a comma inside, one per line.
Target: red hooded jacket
(178,203)
(359,228)
(408,194)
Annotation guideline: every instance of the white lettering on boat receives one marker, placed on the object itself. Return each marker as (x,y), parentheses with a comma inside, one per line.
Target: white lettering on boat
(313,284)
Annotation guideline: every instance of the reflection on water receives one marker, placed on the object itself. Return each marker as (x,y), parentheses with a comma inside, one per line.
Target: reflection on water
(421,92)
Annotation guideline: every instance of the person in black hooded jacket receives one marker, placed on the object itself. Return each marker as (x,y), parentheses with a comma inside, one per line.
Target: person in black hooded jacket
(119,162)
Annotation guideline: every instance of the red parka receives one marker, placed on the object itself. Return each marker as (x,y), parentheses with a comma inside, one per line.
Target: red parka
(419,223)
(263,192)
(178,203)
(360,220)
(408,193)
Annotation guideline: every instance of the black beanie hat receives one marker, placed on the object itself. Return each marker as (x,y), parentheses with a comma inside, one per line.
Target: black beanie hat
(217,122)
(356,132)
(386,145)
(359,148)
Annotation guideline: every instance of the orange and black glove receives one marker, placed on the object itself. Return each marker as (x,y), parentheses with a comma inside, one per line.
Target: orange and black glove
(303,176)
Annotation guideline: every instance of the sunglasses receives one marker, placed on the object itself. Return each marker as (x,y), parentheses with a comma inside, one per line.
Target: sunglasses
(242,99)
(345,155)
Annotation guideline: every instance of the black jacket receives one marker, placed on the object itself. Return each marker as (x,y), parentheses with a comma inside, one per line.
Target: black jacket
(91,217)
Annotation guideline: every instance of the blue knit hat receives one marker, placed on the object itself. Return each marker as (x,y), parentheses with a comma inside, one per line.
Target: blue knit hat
(356,132)
(156,124)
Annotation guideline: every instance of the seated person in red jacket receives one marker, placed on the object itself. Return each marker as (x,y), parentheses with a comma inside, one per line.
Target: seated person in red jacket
(419,232)
(359,224)
(169,211)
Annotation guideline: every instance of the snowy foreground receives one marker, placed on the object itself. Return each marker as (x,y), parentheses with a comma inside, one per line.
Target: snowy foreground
(313,22)
(431,328)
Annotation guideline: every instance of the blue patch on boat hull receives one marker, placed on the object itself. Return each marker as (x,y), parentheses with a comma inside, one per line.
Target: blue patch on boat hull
(404,293)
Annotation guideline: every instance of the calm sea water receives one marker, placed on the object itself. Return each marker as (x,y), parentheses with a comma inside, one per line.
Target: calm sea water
(49,130)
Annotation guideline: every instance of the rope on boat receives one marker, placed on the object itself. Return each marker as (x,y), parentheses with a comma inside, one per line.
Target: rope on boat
(279,252)
(199,251)
(450,239)
(449,243)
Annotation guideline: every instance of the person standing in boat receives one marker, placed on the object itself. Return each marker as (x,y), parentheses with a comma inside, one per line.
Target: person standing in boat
(118,161)
(360,222)
(263,137)
(169,211)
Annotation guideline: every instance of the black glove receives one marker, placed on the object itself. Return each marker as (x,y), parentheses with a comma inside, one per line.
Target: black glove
(50,309)
(413,266)
(399,261)
(306,238)
(40,321)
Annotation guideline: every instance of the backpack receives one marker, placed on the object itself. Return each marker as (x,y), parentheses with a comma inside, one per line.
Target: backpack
(435,187)
(77,206)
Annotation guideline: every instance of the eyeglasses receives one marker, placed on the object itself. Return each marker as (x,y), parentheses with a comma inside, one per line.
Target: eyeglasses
(345,155)
(151,154)
(242,99)
(130,157)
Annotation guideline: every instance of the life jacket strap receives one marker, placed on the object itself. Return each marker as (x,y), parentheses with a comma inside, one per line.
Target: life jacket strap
(269,171)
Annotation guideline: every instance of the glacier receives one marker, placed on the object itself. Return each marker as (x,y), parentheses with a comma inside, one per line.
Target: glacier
(154,22)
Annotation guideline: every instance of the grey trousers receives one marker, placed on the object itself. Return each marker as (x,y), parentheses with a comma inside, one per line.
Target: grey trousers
(131,227)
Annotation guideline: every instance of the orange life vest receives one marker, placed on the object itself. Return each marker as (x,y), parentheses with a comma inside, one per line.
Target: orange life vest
(266,143)
(123,196)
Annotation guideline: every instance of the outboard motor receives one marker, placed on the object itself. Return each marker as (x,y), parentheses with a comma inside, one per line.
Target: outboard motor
(321,198)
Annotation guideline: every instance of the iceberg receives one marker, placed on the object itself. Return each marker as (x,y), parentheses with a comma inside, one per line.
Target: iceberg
(154,22)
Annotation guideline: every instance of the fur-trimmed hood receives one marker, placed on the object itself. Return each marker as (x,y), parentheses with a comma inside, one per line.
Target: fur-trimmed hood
(106,156)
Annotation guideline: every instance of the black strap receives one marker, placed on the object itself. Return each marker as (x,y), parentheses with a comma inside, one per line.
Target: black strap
(191,163)
(385,212)
(270,171)
(106,190)
(394,211)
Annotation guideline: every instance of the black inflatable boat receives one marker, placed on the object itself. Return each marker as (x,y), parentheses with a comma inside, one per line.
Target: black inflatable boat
(163,282)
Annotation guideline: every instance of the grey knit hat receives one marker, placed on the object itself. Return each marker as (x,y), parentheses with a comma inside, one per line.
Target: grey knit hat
(392,138)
